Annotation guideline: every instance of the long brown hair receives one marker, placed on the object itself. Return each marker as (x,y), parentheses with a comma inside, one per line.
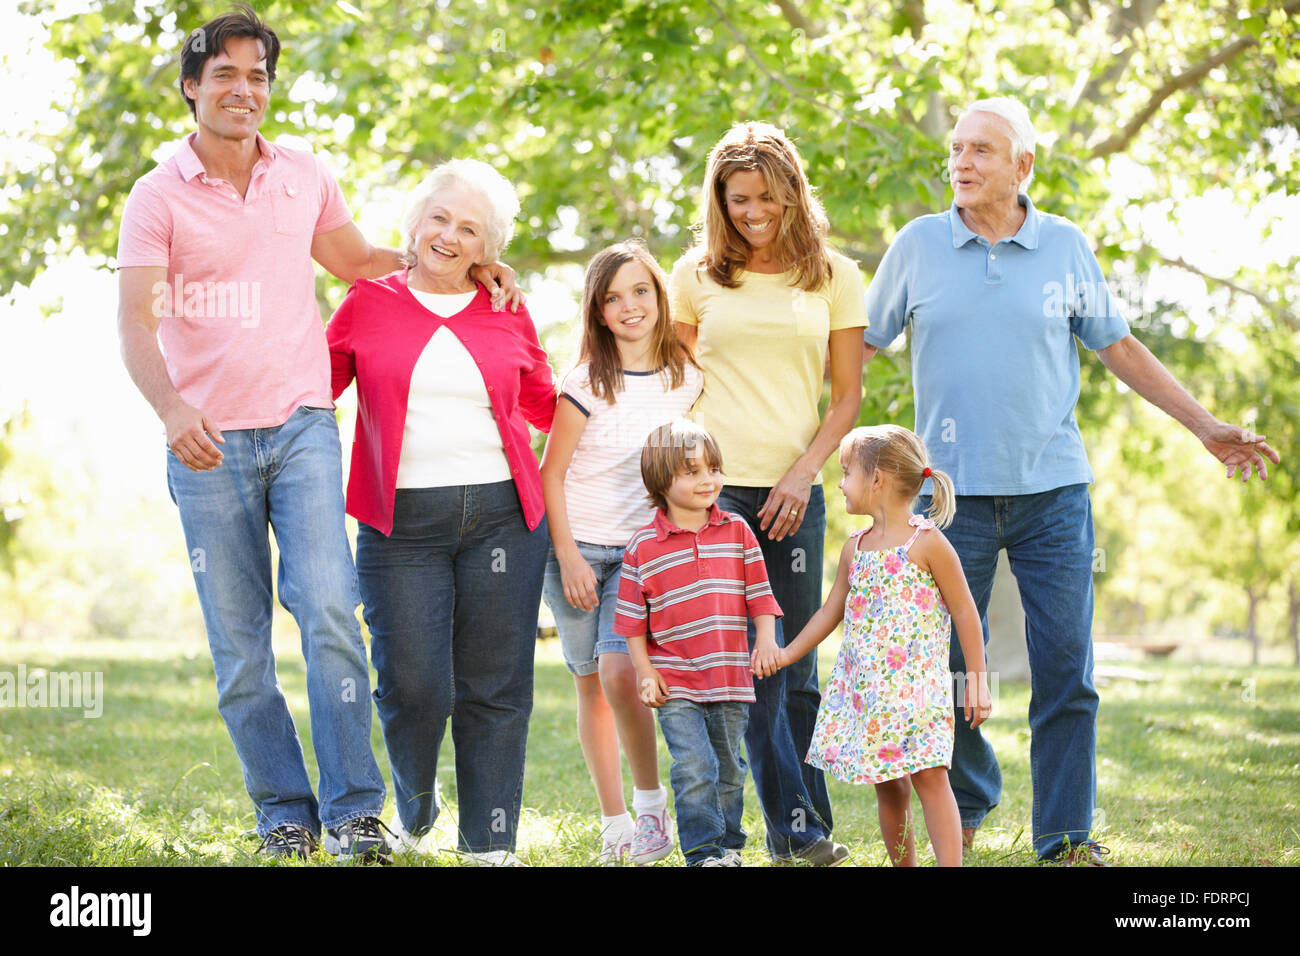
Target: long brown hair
(599,347)
(901,454)
(800,243)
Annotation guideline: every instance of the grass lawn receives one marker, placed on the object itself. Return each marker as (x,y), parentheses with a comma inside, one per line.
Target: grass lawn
(1200,766)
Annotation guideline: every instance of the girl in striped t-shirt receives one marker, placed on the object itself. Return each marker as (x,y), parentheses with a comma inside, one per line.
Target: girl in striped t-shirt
(633,375)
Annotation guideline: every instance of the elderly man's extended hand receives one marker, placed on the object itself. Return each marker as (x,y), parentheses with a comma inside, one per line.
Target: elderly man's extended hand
(1238,449)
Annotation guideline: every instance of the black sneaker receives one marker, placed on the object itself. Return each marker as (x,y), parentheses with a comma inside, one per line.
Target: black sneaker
(288,839)
(361,838)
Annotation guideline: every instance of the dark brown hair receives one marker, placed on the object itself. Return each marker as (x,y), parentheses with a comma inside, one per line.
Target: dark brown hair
(800,244)
(211,38)
(599,347)
(666,453)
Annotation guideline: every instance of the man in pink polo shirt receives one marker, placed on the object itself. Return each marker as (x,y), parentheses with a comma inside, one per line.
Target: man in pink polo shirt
(215,262)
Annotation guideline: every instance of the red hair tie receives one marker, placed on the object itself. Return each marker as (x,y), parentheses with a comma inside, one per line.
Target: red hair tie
(926,473)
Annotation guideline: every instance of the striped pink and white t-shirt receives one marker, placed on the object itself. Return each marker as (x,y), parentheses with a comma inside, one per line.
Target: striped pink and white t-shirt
(603,493)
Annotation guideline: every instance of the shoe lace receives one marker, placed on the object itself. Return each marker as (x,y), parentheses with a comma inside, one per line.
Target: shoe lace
(286,837)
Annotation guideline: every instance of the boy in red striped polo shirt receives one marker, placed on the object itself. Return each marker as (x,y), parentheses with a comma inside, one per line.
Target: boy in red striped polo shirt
(691,580)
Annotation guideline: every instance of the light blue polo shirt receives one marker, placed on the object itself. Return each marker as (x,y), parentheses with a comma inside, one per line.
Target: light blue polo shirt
(995,371)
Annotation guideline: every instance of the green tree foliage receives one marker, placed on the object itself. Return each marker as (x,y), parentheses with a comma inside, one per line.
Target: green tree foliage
(602,111)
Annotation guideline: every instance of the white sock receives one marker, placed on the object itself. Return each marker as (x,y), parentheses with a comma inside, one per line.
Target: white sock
(649,801)
(616,829)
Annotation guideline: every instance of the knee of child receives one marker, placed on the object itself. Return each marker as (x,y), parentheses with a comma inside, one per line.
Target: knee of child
(929,779)
(897,791)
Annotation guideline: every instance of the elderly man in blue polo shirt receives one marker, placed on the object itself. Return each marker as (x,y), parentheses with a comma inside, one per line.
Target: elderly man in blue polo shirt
(995,293)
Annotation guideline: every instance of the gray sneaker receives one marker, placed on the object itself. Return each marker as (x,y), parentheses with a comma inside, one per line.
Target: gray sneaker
(825,852)
(288,840)
(361,839)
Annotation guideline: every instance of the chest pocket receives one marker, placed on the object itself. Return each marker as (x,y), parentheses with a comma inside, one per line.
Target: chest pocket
(812,314)
(293,209)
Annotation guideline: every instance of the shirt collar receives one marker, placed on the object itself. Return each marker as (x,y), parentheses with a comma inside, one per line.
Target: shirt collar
(190,166)
(1027,236)
(664,526)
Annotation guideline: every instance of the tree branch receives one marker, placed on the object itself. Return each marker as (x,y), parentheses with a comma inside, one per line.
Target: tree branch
(797,20)
(1189,77)
(1274,308)
(795,93)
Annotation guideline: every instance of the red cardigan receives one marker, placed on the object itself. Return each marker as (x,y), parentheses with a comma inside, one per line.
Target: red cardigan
(376,337)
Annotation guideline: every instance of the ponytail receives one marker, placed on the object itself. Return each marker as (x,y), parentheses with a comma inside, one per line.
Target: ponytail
(943,499)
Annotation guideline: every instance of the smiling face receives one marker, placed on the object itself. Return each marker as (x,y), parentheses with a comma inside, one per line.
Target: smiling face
(697,486)
(450,240)
(983,176)
(856,486)
(630,308)
(751,208)
(231,94)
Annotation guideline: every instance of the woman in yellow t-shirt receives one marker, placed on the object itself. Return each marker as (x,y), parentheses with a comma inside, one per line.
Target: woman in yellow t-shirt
(762,300)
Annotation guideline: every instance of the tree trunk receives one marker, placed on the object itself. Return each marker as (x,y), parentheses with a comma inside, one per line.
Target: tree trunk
(1251,633)
(1293,621)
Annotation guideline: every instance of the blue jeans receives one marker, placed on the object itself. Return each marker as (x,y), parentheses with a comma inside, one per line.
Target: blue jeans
(585,635)
(796,804)
(1049,542)
(451,600)
(707,776)
(289,477)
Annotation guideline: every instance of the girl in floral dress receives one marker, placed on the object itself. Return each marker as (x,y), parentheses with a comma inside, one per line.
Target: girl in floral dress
(886,716)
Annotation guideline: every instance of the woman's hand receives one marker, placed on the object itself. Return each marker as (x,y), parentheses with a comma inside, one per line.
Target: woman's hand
(579,581)
(786,504)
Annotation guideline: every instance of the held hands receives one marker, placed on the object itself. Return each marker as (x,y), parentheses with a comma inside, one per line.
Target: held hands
(188,431)
(1238,449)
(499,279)
(767,658)
(653,687)
(579,582)
(978,699)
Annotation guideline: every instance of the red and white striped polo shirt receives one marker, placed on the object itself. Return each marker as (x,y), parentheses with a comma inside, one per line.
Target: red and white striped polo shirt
(693,591)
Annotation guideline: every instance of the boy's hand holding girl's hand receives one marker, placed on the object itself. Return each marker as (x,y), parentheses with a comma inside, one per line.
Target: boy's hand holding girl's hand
(653,687)
(979,701)
(579,581)
(767,658)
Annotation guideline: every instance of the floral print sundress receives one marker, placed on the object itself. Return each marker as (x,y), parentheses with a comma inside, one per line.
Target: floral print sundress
(887,708)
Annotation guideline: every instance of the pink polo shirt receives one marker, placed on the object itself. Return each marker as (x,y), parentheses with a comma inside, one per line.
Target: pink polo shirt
(240,329)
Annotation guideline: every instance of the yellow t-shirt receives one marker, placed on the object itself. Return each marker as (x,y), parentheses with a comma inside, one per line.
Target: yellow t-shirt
(763,347)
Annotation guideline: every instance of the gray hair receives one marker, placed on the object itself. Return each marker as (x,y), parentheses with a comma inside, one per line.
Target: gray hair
(1023,137)
(466,174)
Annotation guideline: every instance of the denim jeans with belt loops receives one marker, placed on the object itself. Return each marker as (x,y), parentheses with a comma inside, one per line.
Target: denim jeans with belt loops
(451,599)
(290,478)
(1049,542)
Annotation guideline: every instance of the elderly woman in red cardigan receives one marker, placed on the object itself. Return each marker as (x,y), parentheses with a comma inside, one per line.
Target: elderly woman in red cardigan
(452,541)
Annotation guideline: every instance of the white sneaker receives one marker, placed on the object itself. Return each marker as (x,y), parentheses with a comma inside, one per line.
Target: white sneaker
(403,842)
(615,846)
(492,858)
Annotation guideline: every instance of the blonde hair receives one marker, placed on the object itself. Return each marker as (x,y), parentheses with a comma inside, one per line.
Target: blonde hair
(800,244)
(599,348)
(902,455)
(666,453)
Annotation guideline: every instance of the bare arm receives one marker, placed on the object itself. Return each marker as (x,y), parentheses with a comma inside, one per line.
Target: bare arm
(932,552)
(579,580)
(785,506)
(346,254)
(1134,365)
(825,619)
(188,428)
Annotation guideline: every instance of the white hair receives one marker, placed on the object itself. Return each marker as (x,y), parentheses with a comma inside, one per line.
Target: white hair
(1023,137)
(472,175)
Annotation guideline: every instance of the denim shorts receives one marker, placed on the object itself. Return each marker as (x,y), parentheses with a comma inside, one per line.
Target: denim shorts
(585,635)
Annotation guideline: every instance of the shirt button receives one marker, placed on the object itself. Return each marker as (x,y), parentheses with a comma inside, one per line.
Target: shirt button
(992,255)
(489,388)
